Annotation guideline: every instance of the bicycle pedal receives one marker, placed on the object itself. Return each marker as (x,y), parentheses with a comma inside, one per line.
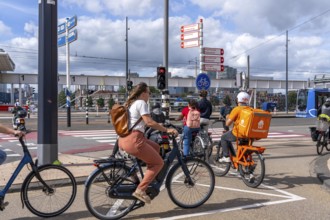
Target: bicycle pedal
(3,206)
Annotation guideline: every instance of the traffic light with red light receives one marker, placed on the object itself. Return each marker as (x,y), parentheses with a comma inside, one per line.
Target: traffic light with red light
(161,78)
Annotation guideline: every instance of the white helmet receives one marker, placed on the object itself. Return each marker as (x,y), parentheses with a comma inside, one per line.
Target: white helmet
(243,97)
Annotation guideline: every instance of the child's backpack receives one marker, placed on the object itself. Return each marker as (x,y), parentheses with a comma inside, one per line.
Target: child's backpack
(253,123)
(193,119)
(121,120)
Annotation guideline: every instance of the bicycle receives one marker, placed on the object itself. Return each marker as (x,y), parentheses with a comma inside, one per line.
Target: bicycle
(247,160)
(109,189)
(323,136)
(47,191)
(200,143)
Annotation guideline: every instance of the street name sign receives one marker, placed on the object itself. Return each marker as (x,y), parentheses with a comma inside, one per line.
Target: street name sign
(213,51)
(190,27)
(73,35)
(213,67)
(72,22)
(191,43)
(213,59)
(190,35)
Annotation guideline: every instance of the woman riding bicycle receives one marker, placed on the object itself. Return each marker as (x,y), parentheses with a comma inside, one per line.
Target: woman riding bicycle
(137,144)
(242,100)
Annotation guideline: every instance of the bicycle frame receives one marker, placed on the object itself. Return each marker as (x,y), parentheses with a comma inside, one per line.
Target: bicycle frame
(27,159)
(240,157)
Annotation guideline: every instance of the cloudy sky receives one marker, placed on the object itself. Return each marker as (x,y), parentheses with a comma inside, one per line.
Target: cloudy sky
(241,27)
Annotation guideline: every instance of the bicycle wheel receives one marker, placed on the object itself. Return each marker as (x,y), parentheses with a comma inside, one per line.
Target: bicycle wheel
(319,143)
(254,174)
(198,148)
(96,194)
(186,194)
(219,169)
(45,203)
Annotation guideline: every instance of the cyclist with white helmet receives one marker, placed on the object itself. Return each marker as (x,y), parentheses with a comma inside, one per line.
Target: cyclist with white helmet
(242,100)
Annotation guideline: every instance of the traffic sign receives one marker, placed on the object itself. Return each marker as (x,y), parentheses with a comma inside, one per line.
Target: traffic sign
(203,81)
(213,67)
(213,59)
(72,22)
(213,51)
(191,43)
(190,27)
(73,35)
(190,35)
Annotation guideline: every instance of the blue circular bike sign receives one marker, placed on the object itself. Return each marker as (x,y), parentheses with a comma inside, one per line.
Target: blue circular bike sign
(203,82)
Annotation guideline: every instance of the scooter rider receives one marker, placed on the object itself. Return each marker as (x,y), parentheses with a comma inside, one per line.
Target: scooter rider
(242,100)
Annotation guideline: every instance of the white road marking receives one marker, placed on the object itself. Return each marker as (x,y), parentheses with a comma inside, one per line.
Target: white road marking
(288,197)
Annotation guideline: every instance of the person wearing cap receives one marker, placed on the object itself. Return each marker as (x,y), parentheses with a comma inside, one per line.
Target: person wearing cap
(227,138)
(205,108)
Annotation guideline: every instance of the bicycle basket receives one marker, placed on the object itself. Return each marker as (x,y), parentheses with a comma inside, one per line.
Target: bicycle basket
(322,125)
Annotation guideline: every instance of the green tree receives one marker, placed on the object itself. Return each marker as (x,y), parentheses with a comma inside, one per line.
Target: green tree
(227,100)
(111,102)
(89,101)
(292,100)
(122,89)
(61,99)
(100,102)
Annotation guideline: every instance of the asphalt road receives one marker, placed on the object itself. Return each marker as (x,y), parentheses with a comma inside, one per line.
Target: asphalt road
(290,189)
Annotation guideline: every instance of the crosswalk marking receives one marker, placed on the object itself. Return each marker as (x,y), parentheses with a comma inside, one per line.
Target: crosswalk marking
(110,136)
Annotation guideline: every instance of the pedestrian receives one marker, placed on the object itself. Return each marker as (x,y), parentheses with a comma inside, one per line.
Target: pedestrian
(6,130)
(205,108)
(224,111)
(137,144)
(242,100)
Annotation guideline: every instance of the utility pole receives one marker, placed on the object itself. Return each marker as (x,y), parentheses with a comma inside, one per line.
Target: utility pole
(47,83)
(286,74)
(126,94)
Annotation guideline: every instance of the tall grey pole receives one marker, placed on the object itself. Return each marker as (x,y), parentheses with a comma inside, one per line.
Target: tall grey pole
(248,73)
(165,58)
(286,74)
(68,95)
(47,82)
(126,95)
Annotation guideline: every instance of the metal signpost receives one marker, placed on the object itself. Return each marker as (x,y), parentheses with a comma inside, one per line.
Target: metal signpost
(68,38)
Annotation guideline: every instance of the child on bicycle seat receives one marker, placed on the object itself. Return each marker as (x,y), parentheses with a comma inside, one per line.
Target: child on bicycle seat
(6,130)
(191,123)
(242,100)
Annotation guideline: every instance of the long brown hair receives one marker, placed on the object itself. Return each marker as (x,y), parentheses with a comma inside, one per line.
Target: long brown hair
(136,92)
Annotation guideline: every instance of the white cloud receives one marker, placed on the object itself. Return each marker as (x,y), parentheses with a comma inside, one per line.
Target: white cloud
(4,30)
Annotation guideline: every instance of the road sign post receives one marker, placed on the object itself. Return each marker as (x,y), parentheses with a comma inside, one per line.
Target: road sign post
(66,40)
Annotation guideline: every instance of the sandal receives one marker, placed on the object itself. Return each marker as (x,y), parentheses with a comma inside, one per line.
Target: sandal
(141,195)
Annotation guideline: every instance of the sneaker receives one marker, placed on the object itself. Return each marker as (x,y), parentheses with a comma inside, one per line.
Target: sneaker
(225,160)
(141,195)
(251,178)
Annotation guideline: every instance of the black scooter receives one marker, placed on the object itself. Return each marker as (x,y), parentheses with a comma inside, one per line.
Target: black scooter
(19,118)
